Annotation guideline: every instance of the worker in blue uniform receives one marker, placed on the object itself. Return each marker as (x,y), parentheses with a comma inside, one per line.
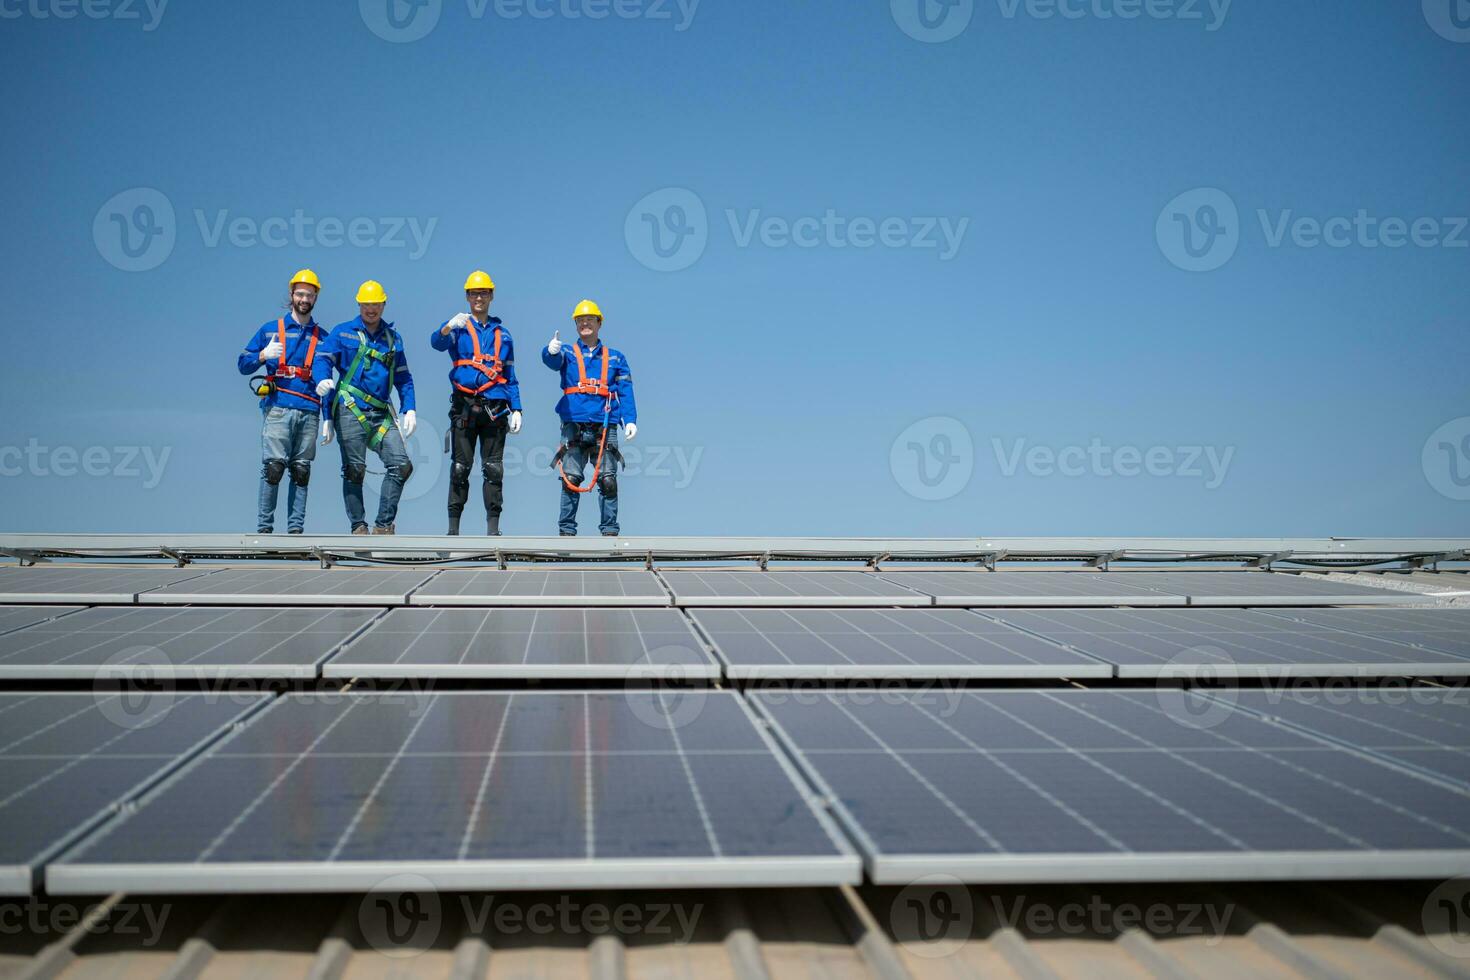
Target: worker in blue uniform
(284,349)
(485,404)
(367,355)
(597,397)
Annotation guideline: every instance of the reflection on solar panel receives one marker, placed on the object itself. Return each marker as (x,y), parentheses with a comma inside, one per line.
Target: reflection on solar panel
(1033,589)
(786,588)
(1444,630)
(1423,727)
(297,586)
(472,790)
(1227,643)
(527,643)
(67,759)
(1232,588)
(14,618)
(903,643)
(458,587)
(69,583)
(1070,785)
(160,642)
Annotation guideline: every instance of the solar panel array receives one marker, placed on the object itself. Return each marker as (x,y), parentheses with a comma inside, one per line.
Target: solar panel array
(640,770)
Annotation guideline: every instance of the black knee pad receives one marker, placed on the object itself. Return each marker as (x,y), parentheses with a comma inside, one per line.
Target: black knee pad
(355,473)
(493,472)
(608,484)
(274,470)
(459,476)
(300,472)
(406,470)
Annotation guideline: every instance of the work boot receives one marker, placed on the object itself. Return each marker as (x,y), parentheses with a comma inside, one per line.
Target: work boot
(296,531)
(360,529)
(383,530)
(609,534)
(453,527)
(492,525)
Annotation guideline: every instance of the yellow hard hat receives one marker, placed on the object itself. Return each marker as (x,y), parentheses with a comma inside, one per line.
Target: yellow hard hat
(371,292)
(478,280)
(587,308)
(308,277)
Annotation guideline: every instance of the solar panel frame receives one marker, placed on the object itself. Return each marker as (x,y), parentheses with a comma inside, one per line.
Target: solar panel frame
(896,868)
(1446,629)
(789,588)
(277,586)
(981,589)
(150,658)
(73,875)
(1007,646)
(21,878)
(14,618)
(353,659)
(1221,643)
(528,587)
(1231,587)
(114,585)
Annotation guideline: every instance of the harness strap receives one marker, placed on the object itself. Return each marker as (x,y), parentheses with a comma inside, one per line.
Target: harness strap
(492,373)
(585,387)
(300,373)
(348,394)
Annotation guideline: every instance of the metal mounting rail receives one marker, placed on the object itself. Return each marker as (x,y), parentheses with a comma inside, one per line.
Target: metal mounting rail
(1344,552)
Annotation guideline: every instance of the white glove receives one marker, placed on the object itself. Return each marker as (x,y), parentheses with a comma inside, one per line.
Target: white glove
(271,352)
(326,432)
(555,346)
(408,421)
(456,321)
(630,430)
(324,387)
(515,422)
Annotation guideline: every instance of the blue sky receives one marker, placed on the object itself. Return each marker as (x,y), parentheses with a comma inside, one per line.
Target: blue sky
(1198,271)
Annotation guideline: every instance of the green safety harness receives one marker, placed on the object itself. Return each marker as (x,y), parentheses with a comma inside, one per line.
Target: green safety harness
(349,395)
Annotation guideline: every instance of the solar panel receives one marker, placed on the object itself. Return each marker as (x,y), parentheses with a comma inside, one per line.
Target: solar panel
(1069,785)
(491,587)
(68,760)
(160,642)
(1444,630)
(1230,643)
(71,583)
(1425,728)
(883,643)
(527,643)
(272,586)
(1033,589)
(475,790)
(14,618)
(1262,588)
(787,588)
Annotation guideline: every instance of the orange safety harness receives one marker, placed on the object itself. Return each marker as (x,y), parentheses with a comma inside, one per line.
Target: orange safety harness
(302,373)
(492,373)
(585,387)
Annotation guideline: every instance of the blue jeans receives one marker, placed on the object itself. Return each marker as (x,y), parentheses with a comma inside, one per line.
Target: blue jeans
(352,437)
(581,447)
(287,446)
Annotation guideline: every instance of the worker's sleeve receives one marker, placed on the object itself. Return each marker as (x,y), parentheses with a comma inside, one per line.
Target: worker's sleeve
(250,356)
(441,341)
(327,357)
(623,386)
(512,385)
(554,361)
(403,381)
